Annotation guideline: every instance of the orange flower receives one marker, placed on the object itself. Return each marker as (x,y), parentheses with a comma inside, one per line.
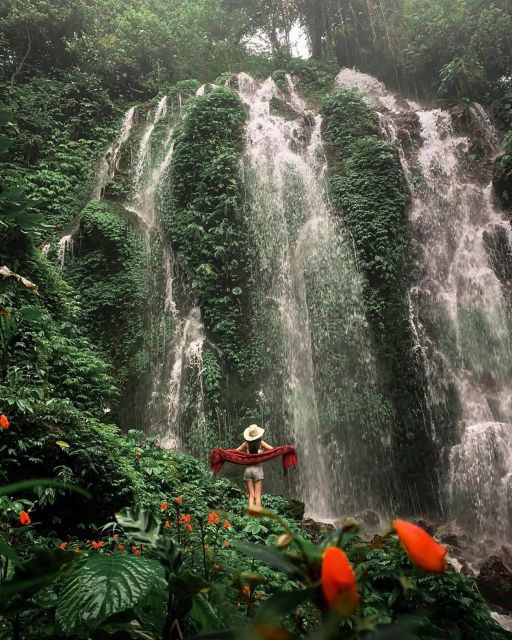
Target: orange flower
(120,547)
(246,590)
(213,518)
(226,524)
(190,528)
(226,543)
(167,524)
(185,518)
(25,518)
(421,548)
(339,582)
(179,500)
(63,545)
(163,506)
(97,545)
(4,422)
(216,566)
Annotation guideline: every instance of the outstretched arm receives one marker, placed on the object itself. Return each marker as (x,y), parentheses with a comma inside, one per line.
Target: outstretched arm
(242,447)
(265,446)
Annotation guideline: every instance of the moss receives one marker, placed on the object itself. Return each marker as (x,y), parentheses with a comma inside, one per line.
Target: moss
(369,193)
(109,269)
(204,218)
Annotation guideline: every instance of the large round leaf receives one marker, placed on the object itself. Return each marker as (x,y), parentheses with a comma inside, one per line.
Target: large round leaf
(104,585)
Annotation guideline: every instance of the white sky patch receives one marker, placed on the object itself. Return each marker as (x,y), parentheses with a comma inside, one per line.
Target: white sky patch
(299,42)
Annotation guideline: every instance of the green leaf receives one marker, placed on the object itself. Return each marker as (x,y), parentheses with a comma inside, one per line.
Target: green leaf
(17,487)
(203,614)
(43,568)
(104,585)
(8,552)
(283,603)
(269,556)
(141,526)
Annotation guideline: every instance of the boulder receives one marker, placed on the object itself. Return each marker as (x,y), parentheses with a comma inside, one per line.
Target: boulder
(496,237)
(316,530)
(495,581)
(426,525)
(296,509)
(502,180)
(369,517)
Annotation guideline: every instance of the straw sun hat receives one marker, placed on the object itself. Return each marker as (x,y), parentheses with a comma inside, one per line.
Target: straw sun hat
(253,432)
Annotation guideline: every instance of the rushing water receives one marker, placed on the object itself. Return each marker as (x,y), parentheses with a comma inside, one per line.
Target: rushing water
(312,291)
(172,392)
(459,311)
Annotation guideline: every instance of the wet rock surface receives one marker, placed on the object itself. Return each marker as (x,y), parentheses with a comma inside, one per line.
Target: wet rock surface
(315,529)
(495,581)
(496,237)
(368,517)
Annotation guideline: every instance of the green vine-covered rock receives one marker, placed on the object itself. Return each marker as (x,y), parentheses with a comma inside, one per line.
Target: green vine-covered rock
(109,270)
(203,217)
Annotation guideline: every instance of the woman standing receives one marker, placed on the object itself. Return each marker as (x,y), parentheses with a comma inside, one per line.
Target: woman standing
(253,474)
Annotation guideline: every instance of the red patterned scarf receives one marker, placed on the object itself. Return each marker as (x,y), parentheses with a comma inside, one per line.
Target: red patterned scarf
(219,456)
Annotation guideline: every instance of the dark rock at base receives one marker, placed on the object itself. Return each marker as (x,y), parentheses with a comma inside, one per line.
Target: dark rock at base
(316,530)
(496,237)
(426,525)
(452,540)
(408,129)
(369,517)
(296,509)
(281,108)
(467,570)
(502,181)
(495,582)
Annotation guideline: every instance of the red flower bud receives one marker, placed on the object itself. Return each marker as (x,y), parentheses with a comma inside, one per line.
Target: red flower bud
(25,518)
(339,582)
(4,422)
(421,548)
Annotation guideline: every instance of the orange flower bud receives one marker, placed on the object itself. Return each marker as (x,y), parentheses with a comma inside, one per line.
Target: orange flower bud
(216,566)
(246,590)
(226,524)
(339,582)
(167,524)
(63,545)
(190,528)
(179,500)
(4,422)
(97,545)
(421,548)
(163,506)
(136,552)
(120,547)
(25,518)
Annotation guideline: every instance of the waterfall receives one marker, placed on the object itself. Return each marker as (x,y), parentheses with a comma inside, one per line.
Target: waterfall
(459,313)
(311,290)
(64,246)
(109,164)
(174,385)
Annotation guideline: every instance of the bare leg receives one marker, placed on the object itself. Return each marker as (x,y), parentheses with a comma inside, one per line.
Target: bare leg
(258,490)
(250,491)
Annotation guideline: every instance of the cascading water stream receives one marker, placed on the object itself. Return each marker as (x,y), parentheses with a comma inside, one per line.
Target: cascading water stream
(307,275)
(458,310)
(175,343)
(109,164)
